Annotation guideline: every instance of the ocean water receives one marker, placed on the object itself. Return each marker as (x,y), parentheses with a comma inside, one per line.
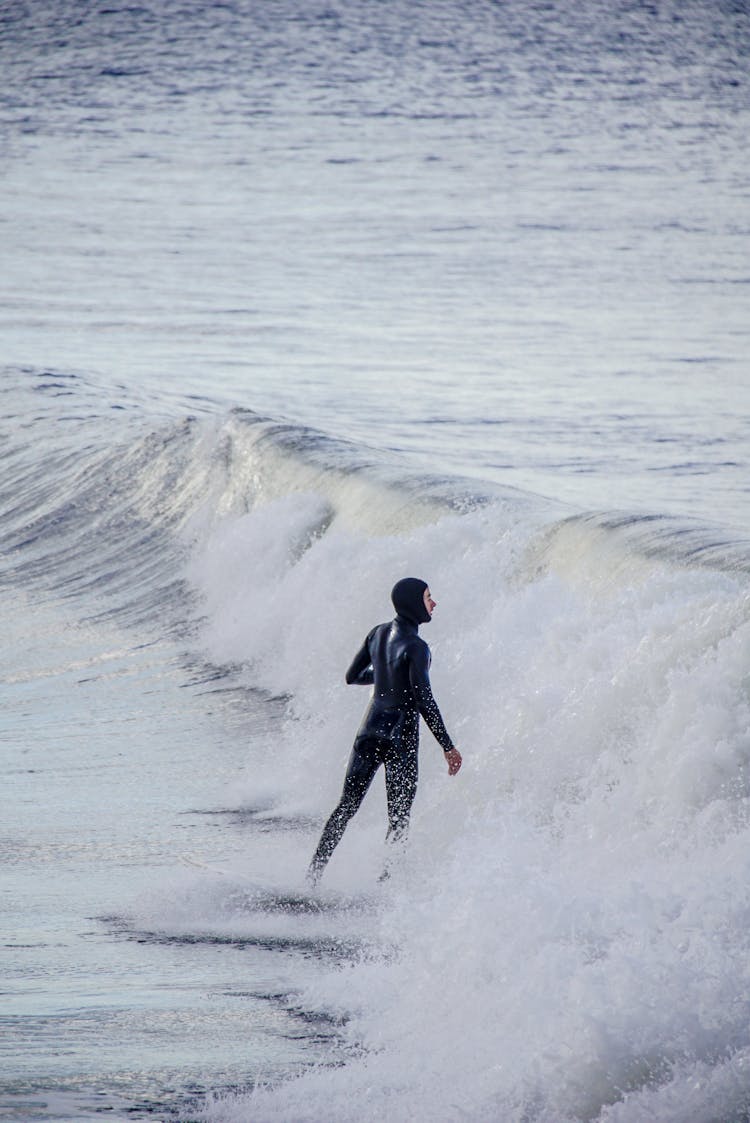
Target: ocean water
(297,299)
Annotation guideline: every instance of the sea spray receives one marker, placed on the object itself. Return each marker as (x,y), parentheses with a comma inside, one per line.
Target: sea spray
(568,929)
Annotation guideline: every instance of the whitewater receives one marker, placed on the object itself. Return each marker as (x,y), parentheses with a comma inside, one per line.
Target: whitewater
(298,300)
(567,936)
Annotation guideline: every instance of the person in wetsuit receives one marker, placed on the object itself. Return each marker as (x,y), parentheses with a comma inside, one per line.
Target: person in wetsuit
(396,662)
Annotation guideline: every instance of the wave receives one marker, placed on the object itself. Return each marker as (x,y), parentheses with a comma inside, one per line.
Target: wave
(105,500)
(567,937)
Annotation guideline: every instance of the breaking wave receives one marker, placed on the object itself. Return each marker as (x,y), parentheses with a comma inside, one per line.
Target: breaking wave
(568,936)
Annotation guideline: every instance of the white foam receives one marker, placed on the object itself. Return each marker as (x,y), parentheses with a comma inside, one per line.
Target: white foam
(571,918)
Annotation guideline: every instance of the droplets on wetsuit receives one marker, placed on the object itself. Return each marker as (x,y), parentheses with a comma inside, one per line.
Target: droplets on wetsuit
(396,662)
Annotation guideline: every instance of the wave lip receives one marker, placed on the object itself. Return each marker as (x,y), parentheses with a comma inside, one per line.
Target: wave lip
(113,504)
(622,540)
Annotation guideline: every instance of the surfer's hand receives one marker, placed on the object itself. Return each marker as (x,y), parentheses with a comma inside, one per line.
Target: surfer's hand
(453,757)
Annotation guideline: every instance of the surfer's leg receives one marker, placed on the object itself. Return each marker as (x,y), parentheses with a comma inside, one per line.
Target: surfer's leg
(401,773)
(401,769)
(363,764)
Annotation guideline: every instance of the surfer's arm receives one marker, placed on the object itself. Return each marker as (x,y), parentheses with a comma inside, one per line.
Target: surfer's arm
(419,678)
(360,671)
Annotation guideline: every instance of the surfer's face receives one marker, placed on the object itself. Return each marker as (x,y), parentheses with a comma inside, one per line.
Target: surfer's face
(429,603)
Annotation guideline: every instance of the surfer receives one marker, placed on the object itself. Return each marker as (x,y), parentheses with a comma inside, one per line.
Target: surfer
(396,661)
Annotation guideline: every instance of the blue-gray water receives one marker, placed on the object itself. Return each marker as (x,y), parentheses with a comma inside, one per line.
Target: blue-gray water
(296,299)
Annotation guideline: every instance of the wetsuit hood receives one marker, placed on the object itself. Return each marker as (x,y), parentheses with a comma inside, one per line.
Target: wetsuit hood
(408,600)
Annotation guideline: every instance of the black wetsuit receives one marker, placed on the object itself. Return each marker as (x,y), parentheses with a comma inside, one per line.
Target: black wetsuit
(396,662)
